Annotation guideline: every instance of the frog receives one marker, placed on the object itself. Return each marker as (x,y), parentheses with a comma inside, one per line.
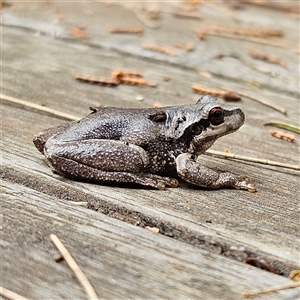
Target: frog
(151,147)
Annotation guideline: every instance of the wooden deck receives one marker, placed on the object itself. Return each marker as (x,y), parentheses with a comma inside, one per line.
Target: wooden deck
(204,236)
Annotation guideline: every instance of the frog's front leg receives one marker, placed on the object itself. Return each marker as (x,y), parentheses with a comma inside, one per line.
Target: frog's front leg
(192,172)
(103,160)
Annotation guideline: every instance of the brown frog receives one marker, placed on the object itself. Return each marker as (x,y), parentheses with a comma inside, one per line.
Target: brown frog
(150,147)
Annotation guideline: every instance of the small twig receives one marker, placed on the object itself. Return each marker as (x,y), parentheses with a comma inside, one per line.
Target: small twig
(252,32)
(73,265)
(252,159)
(283,125)
(272,289)
(227,95)
(34,106)
(264,102)
(130,30)
(267,58)
(10,295)
(274,5)
(96,80)
(187,14)
(202,35)
(159,48)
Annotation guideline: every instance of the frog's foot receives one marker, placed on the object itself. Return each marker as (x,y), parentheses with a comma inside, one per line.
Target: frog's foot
(194,173)
(245,183)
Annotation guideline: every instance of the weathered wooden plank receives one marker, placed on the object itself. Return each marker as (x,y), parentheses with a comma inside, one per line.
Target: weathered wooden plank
(121,261)
(234,227)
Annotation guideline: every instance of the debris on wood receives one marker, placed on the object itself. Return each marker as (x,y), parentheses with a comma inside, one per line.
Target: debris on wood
(295,275)
(130,77)
(199,88)
(225,94)
(79,33)
(96,80)
(10,295)
(259,263)
(187,14)
(119,74)
(283,125)
(235,31)
(201,35)
(190,46)
(251,159)
(166,78)
(74,267)
(117,77)
(279,5)
(204,73)
(159,48)
(153,229)
(58,258)
(267,58)
(272,289)
(283,136)
(130,30)
(232,96)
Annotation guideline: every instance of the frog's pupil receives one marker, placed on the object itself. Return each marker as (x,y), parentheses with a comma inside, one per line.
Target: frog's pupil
(216,116)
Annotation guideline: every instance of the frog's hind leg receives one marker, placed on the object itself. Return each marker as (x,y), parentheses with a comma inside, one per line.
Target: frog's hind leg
(40,139)
(104,161)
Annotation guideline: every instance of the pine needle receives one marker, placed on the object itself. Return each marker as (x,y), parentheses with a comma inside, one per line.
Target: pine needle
(75,268)
(252,159)
(10,295)
(272,289)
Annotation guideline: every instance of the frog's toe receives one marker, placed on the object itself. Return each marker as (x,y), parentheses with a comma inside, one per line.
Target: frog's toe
(245,183)
(172,182)
(166,181)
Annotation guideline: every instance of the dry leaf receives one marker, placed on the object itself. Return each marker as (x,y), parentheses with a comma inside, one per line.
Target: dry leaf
(282,135)
(79,33)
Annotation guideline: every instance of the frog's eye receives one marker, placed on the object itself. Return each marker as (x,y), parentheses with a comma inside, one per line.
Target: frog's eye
(216,116)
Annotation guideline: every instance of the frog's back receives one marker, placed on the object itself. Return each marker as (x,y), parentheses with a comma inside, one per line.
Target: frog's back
(113,123)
